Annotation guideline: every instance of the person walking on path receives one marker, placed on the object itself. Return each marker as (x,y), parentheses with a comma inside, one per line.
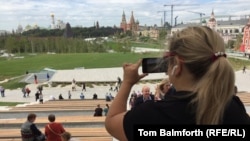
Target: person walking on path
(24,92)
(41,98)
(27,91)
(48,76)
(244,69)
(2,90)
(37,95)
(83,86)
(35,79)
(69,94)
(53,130)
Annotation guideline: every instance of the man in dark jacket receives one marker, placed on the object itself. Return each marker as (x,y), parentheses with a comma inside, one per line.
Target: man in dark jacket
(98,111)
(146,96)
(29,131)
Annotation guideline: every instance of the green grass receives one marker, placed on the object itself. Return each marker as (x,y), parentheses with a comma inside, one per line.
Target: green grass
(35,63)
(146,45)
(238,63)
(10,103)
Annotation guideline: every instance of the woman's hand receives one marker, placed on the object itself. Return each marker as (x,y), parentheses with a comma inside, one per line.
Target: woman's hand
(131,75)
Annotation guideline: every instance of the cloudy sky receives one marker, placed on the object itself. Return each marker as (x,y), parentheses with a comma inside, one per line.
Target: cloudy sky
(108,12)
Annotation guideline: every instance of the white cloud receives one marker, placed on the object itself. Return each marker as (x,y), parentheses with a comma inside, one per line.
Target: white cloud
(109,12)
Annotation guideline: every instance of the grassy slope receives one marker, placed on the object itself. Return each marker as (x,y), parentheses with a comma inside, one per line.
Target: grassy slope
(34,63)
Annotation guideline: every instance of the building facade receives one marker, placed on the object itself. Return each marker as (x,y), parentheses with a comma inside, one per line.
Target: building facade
(245,46)
(228,29)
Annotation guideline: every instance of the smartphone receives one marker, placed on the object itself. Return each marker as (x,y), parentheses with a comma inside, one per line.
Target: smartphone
(154,65)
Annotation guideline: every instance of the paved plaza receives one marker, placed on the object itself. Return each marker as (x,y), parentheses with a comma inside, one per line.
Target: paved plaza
(108,74)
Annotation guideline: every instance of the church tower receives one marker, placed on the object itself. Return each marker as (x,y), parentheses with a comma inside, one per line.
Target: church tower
(212,21)
(132,26)
(123,24)
(132,22)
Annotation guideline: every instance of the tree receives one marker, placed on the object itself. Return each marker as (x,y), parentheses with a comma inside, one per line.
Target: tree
(68,32)
(238,41)
(163,34)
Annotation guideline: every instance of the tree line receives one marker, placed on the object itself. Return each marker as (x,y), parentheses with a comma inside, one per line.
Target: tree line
(69,40)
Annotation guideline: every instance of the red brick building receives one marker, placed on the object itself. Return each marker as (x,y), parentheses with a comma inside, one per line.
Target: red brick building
(245,46)
(132,25)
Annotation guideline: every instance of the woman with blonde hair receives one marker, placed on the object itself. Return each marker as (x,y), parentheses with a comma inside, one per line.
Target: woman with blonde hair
(204,82)
(162,89)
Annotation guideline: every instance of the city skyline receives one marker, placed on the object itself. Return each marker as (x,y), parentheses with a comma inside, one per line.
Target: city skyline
(109,12)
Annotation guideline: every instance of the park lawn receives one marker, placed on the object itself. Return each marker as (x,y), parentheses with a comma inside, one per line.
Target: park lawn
(35,63)
(146,45)
(10,103)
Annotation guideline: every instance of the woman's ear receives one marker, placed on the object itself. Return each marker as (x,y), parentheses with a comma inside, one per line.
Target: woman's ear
(173,70)
(178,68)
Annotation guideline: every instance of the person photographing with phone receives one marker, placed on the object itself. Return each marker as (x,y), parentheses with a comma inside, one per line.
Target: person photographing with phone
(204,82)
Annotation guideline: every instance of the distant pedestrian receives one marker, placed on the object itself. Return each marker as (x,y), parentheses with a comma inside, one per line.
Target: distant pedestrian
(106,109)
(69,94)
(119,81)
(24,92)
(40,88)
(73,85)
(82,96)
(116,87)
(35,78)
(244,69)
(48,76)
(27,91)
(37,95)
(41,98)
(83,87)
(60,97)
(111,88)
(2,91)
(95,96)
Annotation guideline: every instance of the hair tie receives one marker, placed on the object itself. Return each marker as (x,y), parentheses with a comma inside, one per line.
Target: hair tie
(216,55)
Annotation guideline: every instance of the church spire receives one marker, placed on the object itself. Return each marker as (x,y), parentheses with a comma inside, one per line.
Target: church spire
(132,19)
(123,24)
(124,18)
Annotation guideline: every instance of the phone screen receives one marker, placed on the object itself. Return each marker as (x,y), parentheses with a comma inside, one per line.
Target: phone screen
(154,65)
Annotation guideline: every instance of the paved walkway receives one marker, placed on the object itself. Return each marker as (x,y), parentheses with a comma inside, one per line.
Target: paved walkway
(242,82)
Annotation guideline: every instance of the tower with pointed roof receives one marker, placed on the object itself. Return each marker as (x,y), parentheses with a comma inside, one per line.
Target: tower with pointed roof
(131,26)
(123,24)
(212,21)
